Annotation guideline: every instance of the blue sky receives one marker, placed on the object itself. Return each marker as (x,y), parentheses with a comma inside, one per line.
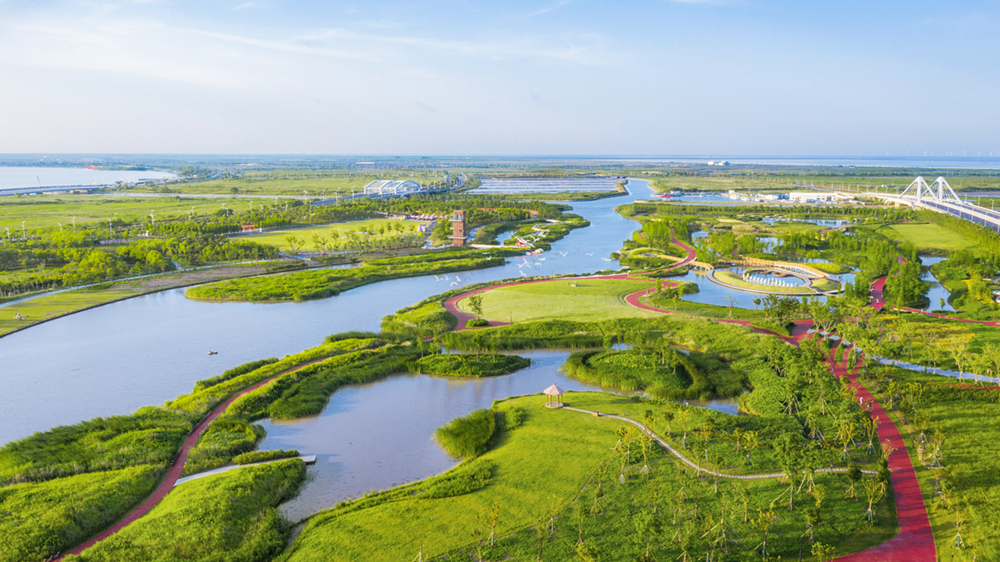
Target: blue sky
(726,77)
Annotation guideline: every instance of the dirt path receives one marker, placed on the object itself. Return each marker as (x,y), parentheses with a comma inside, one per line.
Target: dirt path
(176,468)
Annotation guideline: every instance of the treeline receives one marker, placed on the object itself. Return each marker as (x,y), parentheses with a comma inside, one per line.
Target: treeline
(75,258)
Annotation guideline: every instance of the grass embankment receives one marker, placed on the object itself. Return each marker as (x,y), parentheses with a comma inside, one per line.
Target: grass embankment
(40,519)
(336,231)
(48,307)
(730,278)
(577,299)
(963,486)
(554,481)
(462,365)
(420,320)
(318,284)
(226,517)
(928,237)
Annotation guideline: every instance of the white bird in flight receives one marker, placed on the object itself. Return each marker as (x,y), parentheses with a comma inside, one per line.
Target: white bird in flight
(523,274)
(590,254)
(563,254)
(606,259)
(453,283)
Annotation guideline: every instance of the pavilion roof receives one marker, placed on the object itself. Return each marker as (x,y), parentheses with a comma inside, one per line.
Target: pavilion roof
(554,390)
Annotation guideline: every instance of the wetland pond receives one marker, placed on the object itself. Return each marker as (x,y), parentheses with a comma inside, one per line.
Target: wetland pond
(378,435)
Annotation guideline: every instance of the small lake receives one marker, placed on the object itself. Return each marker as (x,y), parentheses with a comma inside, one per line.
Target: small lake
(12,177)
(379,435)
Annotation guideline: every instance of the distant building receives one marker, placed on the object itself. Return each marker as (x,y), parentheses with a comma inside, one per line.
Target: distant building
(392,188)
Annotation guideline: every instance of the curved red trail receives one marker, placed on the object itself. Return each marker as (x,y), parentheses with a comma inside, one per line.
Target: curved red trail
(175,469)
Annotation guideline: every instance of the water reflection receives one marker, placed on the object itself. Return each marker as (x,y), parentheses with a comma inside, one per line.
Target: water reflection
(937,293)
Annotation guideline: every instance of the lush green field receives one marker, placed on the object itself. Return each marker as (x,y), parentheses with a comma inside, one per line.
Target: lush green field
(545,461)
(291,182)
(336,231)
(40,519)
(964,487)
(589,300)
(59,304)
(50,210)
(928,236)
(556,480)
(228,517)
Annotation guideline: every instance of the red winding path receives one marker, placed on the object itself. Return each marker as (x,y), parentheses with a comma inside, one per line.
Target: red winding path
(176,468)
(915,540)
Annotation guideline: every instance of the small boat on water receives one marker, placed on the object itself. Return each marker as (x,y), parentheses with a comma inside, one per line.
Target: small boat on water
(213,352)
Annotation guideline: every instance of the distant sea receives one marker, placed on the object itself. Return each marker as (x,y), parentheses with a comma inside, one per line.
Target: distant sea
(950,162)
(16,177)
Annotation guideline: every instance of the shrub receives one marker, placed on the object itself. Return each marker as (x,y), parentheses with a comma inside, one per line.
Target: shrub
(233,373)
(262,456)
(461,365)
(477,323)
(467,436)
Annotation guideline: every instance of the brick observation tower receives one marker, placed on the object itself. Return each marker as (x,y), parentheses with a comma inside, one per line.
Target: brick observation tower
(458,228)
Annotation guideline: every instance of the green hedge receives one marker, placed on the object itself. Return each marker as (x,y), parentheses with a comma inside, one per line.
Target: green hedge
(461,365)
(467,436)
(262,456)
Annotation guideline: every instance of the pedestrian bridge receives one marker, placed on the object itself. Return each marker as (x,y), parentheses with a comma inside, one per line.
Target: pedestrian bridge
(940,197)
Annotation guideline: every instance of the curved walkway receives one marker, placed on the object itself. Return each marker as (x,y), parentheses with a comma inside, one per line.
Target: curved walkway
(915,540)
(170,480)
(693,464)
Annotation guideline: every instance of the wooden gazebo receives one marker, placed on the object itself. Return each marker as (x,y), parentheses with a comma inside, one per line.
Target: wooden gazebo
(553,397)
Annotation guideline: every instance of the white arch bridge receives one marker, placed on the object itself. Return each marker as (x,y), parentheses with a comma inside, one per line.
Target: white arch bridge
(940,197)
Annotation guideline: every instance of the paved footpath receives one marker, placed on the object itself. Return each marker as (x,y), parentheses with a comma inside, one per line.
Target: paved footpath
(176,468)
(915,541)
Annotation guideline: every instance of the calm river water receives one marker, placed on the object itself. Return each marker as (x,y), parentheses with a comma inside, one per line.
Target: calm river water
(117,358)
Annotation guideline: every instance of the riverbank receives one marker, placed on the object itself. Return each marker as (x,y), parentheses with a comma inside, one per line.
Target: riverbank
(45,308)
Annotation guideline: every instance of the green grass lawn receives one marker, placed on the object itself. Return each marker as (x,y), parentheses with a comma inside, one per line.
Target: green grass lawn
(546,460)
(50,210)
(928,236)
(591,300)
(970,456)
(546,471)
(338,230)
